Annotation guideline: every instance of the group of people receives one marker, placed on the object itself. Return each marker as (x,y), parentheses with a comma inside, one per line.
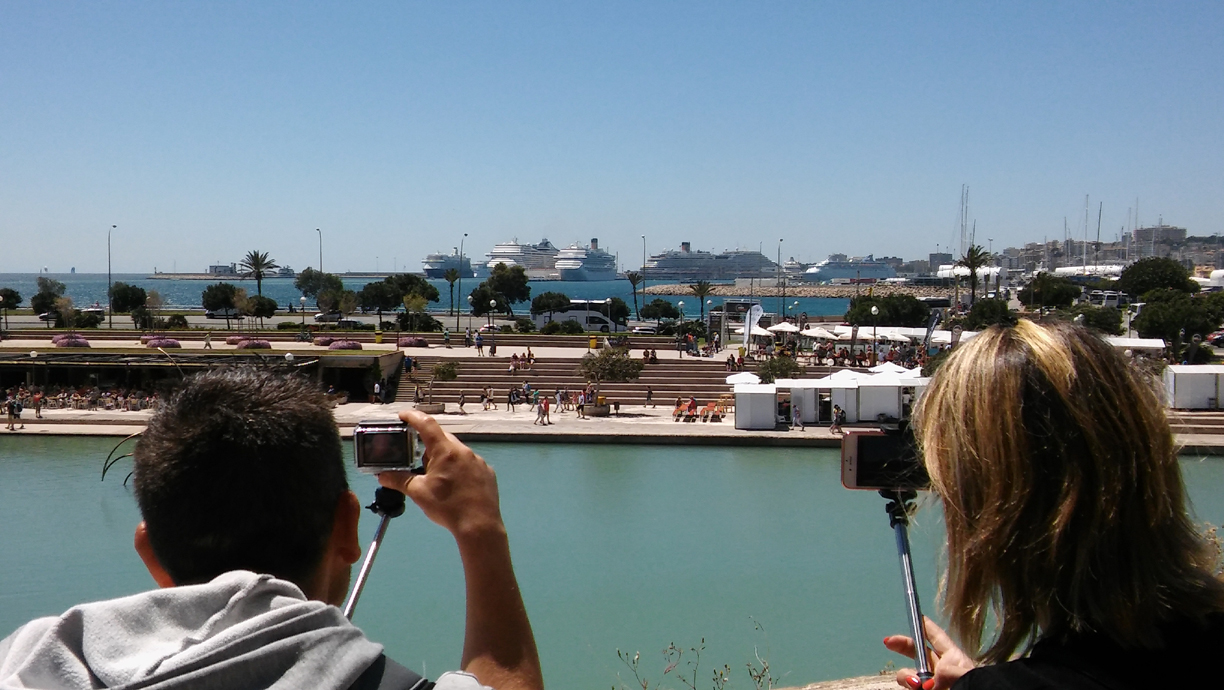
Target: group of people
(1071,557)
(562,399)
(36,398)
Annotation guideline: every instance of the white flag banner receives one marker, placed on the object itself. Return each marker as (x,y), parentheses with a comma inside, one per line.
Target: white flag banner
(751,319)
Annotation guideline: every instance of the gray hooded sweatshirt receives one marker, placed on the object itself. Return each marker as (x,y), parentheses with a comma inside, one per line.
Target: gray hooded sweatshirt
(241,630)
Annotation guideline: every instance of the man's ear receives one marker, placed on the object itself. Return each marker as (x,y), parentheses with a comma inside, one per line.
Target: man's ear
(344,543)
(154,566)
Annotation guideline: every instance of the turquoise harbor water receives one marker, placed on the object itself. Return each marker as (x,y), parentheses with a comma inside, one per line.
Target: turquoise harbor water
(87,288)
(615,547)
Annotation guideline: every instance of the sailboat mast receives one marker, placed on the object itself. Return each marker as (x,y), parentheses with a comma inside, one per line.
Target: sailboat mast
(1096,249)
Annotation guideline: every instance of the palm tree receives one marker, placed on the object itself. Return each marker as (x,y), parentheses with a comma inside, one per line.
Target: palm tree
(257,265)
(451,275)
(975,257)
(635,279)
(701,289)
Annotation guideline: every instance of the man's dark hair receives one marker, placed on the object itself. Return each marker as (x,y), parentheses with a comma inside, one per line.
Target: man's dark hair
(241,469)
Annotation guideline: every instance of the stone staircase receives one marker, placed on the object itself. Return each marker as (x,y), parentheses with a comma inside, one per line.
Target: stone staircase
(704,379)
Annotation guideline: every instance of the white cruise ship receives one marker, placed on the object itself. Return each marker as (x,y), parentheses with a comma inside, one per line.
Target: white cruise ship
(533,257)
(576,262)
(840,268)
(436,265)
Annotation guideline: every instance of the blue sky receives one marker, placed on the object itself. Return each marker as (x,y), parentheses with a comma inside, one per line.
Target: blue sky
(205,130)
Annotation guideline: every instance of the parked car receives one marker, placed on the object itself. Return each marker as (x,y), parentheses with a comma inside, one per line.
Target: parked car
(100,311)
(222,314)
(648,330)
(350,324)
(489,328)
(329,317)
(47,316)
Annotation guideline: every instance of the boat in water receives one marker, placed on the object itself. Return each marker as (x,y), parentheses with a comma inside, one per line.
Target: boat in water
(536,258)
(839,268)
(685,264)
(436,265)
(576,262)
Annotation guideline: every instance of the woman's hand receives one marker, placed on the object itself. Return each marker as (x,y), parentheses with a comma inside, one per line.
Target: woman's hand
(947,660)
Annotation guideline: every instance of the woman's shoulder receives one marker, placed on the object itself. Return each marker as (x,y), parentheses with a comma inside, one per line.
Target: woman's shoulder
(1094,662)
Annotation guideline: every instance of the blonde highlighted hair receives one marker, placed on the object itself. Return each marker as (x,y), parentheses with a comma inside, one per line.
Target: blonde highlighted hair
(1062,494)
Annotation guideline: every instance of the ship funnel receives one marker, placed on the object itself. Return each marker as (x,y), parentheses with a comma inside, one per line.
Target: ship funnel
(685,247)
(594,243)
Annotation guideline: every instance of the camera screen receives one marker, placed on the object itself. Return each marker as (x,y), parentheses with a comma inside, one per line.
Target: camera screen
(889,461)
(383,449)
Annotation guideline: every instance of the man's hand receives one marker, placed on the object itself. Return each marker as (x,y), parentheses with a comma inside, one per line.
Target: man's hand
(459,492)
(947,660)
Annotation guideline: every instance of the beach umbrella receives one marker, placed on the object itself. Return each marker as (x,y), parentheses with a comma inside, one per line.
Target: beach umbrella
(895,337)
(818,332)
(743,377)
(784,327)
(756,330)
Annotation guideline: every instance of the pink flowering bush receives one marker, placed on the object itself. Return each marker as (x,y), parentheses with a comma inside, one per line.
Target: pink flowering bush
(255,344)
(345,345)
(163,343)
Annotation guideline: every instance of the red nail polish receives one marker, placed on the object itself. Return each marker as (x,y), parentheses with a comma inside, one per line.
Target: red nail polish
(914,682)
(929,685)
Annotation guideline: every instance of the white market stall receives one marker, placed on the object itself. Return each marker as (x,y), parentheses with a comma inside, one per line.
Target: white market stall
(756,406)
(806,393)
(1193,386)
(887,395)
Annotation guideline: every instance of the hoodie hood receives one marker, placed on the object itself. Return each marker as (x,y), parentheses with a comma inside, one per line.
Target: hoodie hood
(240,630)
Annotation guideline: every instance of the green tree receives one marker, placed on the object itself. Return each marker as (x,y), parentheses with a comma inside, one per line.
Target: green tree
(481,297)
(257,264)
(451,276)
(659,309)
(1106,320)
(9,299)
(989,312)
(1154,273)
(775,368)
(617,311)
(975,257)
(262,307)
(895,310)
(547,303)
(635,279)
(124,298)
(1048,290)
(610,364)
(509,284)
(220,297)
(414,317)
(1175,317)
(49,290)
(312,283)
(65,313)
(408,284)
(381,296)
(701,290)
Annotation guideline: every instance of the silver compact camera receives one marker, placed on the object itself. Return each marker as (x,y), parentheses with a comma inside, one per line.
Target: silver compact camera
(383,445)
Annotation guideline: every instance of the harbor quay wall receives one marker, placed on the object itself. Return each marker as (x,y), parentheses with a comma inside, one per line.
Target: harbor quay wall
(837,291)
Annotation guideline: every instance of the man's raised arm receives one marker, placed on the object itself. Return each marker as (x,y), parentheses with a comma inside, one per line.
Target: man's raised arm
(459,492)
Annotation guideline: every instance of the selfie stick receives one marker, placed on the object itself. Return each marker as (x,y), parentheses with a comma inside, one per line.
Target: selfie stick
(388,503)
(899,505)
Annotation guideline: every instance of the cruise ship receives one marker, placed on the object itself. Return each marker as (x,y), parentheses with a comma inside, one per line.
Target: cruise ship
(685,265)
(436,265)
(576,262)
(839,268)
(534,257)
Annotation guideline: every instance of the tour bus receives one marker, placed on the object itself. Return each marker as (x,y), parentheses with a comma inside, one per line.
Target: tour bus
(1108,298)
(584,312)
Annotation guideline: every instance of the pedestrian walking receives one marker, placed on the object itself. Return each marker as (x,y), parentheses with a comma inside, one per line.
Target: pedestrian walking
(839,416)
(208,340)
(446,337)
(544,404)
(479,345)
(541,412)
(796,414)
(462,400)
(650,397)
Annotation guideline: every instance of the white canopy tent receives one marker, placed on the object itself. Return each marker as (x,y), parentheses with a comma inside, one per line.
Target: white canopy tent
(784,327)
(743,377)
(756,330)
(818,332)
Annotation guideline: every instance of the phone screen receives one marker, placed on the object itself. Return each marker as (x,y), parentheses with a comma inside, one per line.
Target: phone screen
(884,461)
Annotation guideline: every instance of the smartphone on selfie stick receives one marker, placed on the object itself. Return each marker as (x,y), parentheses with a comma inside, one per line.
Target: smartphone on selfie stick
(887,461)
(382,445)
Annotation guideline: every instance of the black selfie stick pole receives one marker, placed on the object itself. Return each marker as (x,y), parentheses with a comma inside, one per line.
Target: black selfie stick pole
(900,503)
(388,503)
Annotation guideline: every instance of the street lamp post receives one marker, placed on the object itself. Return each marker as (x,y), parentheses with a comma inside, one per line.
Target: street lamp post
(643,268)
(320,249)
(302,302)
(781,282)
(492,306)
(460,276)
(469,299)
(110,303)
(608,311)
(875,312)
